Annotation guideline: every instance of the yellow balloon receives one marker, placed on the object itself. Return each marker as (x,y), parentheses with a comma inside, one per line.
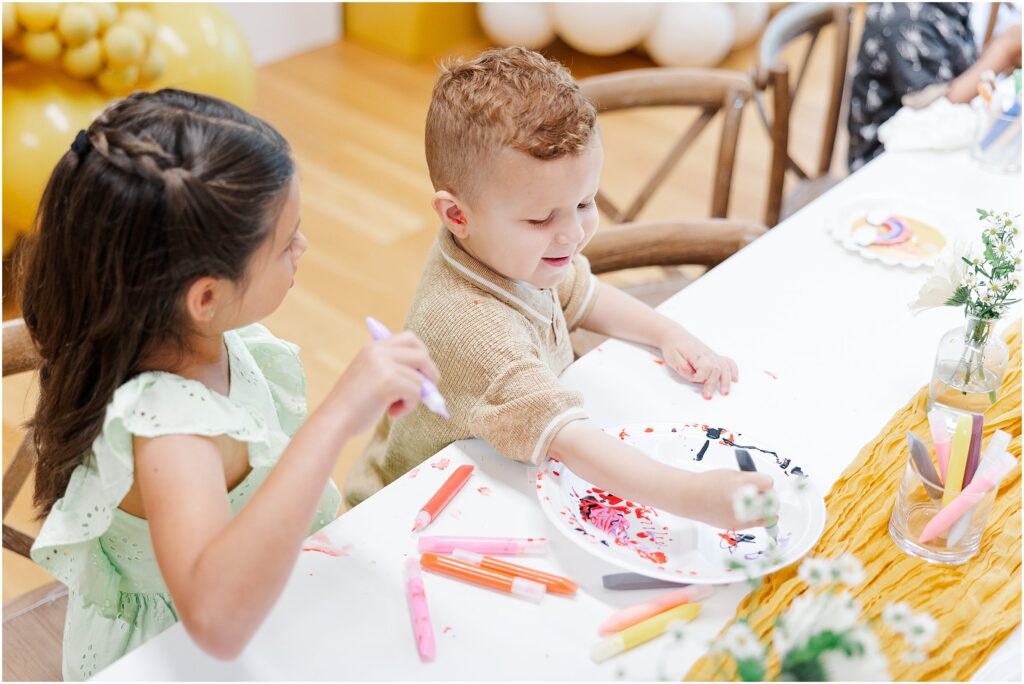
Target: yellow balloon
(205,52)
(38,16)
(43,109)
(77,24)
(43,48)
(106,13)
(124,46)
(154,65)
(84,61)
(140,20)
(119,81)
(10,21)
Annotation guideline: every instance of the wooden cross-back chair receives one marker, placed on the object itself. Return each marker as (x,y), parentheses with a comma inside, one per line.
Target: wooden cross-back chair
(19,357)
(990,26)
(703,242)
(710,90)
(772,73)
(33,624)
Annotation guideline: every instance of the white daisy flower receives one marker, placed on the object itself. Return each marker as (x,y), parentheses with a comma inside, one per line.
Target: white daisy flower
(745,503)
(815,572)
(741,643)
(848,570)
(921,629)
(896,615)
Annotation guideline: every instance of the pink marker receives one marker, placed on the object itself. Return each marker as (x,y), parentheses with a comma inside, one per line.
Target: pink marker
(494,546)
(421,627)
(627,617)
(992,470)
(940,438)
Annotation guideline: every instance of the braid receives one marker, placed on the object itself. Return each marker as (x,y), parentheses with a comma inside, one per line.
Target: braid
(136,155)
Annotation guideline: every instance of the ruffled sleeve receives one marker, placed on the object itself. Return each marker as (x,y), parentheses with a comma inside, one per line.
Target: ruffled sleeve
(282,369)
(149,405)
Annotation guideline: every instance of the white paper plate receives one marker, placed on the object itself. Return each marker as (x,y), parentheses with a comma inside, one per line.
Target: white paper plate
(923,247)
(658,544)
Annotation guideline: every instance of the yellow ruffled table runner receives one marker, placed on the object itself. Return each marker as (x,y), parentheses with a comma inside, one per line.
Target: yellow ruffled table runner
(976,604)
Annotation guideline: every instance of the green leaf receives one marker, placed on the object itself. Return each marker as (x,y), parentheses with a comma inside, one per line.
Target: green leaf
(750,670)
(982,214)
(960,297)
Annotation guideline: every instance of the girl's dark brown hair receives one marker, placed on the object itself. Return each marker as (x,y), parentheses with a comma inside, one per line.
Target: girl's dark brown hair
(173,186)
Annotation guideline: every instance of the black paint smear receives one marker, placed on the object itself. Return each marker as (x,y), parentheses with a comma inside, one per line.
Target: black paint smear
(703,450)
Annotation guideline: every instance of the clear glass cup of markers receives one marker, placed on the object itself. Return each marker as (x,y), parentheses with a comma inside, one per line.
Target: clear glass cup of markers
(997,141)
(915,507)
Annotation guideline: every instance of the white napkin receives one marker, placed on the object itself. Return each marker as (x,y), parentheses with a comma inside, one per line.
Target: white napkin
(941,125)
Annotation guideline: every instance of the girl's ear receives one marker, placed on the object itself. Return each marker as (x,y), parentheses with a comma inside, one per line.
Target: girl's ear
(202,299)
(448,209)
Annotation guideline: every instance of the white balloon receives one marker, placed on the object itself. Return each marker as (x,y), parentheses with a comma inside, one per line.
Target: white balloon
(599,28)
(750,18)
(516,23)
(691,34)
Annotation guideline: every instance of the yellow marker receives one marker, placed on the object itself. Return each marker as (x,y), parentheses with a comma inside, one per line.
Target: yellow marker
(642,632)
(957,459)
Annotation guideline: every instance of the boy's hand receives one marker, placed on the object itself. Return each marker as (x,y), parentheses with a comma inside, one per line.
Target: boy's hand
(718,489)
(696,362)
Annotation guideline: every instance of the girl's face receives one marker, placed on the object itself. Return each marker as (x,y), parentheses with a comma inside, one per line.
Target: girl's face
(272,269)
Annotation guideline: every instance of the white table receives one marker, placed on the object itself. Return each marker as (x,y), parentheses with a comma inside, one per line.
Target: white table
(833,328)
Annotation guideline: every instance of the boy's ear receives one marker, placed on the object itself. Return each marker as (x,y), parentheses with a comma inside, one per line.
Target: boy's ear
(202,299)
(448,209)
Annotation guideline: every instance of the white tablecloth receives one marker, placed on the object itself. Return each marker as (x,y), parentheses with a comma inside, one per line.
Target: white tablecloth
(827,350)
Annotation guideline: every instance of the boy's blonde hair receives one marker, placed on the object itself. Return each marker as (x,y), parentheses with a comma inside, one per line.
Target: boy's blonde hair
(507,97)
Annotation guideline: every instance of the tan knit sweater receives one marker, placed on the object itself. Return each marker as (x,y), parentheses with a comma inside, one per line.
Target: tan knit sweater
(500,346)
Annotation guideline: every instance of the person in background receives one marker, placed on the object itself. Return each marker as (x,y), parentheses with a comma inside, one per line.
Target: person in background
(914,53)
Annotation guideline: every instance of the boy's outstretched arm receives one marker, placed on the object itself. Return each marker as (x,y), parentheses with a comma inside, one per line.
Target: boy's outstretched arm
(621,469)
(620,315)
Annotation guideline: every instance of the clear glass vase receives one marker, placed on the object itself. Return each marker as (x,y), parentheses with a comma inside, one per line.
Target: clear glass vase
(969,367)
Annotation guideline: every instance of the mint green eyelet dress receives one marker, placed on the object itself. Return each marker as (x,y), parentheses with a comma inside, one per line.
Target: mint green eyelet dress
(117,599)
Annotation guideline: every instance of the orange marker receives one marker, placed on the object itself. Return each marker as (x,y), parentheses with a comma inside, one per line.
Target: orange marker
(553,583)
(985,91)
(437,502)
(453,567)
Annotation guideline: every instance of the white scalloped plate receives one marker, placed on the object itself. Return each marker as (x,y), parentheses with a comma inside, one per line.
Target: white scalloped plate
(658,544)
(928,236)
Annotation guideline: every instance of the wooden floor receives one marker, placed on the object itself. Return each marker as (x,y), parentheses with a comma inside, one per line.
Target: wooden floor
(355,120)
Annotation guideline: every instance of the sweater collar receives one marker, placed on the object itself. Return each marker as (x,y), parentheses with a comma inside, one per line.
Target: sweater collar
(523,297)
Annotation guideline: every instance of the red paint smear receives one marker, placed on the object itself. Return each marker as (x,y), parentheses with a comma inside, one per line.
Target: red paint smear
(484,490)
(650,429)
(323,549)
(413,473)
(771,375)
(660,362)
(321,543)
(538,486)
(442,464)
(446,630)
(623,435)
(655,557)
(555,473)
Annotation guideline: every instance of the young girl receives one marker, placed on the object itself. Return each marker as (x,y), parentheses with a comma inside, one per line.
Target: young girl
(177,468)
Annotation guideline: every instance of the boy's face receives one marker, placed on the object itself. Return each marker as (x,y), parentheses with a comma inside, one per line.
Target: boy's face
(529,217)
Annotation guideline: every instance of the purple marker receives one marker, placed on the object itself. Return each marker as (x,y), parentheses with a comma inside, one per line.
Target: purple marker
(974,451)
(431,398)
